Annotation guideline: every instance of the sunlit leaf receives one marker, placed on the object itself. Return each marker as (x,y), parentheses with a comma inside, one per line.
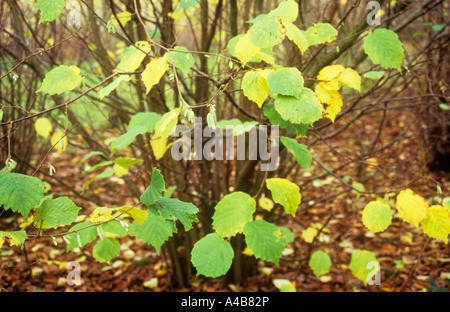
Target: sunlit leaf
(286,193)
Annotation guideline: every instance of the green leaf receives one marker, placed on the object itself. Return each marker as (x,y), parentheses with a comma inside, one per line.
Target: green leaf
(154,231)
(360,264)
(87,235)
(155,189)
(320,263)
(444,106)
(106,249)
(320,33)
(182,60)
(61,79)
(265,240)
(266,33)
(377,216)
(384,48)
(287,234)
(167,124)
(304,109)
(132,57)
(255,87)
(20,192)
(285,193)
(114,227)
(212,255)
(300,151)
(285,81)
(140,123)
(232,213)
(112,86)
(174,209)
(374,74)
(127,162)
(13,238)
(50,9)
(437,223)
(57,212)
(186,4)
(275,119)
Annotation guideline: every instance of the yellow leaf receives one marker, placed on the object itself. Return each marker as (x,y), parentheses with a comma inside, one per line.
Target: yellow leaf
(154,71)
(159,146)
(328,77)
(351,78)
(43,127)
(266,203)
(120,171)
(101,214)
(245,49)
(309,234)
(137,214)
(58,141)
(330,97)
(255,87)
(411,207)
(437,223)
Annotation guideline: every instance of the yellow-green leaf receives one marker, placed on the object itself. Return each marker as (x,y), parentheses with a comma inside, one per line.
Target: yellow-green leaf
(43,127)
(295,34)
(351,78)
(377,216)
(437,223)
(154,71)
(286,193)
(13,238)
(411,207)
(245,49)
(255,87)
(132,57)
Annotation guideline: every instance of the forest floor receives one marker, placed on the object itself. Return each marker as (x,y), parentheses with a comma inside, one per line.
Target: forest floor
(409,260)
